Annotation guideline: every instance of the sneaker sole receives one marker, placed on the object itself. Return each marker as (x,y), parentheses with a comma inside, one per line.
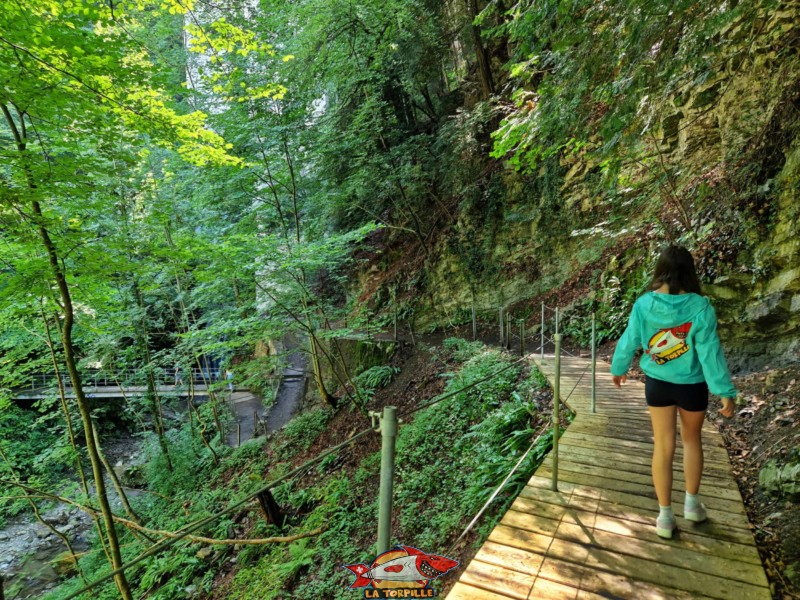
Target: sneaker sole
(694,517)
(665,533)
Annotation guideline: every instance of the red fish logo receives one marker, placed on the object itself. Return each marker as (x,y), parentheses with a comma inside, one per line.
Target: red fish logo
(669,344)
(400,567)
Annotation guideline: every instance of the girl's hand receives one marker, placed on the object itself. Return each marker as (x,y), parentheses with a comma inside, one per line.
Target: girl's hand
(619,379)
(728,405)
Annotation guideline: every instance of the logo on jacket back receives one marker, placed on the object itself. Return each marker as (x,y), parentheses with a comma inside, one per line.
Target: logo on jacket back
(669,344)
(402,572)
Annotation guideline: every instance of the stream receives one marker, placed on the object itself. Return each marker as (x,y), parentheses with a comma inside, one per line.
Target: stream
(30,554)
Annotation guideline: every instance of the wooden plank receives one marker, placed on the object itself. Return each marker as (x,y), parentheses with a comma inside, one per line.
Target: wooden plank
(605,441)
(622,431)
(646,490)
(638,464)
(666,575)
(576,448)
(639,432)
(570,448)
(544,589)
(721,489)
(497,579)
(686,538)
(462,591)
(622,524)
(529,522)
(610,585)
(722,524)
(582,530)
(515,559)
(674,553)
(602,444)
(658,573)
(518,538)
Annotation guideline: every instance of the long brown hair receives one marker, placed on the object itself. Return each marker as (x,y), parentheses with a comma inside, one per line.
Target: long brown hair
(675,267)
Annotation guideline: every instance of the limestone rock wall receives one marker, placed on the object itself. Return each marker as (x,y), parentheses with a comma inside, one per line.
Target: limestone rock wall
(749,111)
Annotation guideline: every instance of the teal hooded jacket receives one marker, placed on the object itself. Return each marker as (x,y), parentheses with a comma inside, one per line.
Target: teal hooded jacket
(678,333)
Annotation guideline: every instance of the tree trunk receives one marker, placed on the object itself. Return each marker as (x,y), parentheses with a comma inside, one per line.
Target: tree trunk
(317,368)
(481,54)
(116,482)
(83,403)
(20,136)
(71,430)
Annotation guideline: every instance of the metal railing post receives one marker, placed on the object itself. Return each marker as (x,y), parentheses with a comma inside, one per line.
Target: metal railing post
(474,324)
(502,327)
(388,438)
(594,364)
(542,332)
(556,320)
(556,409)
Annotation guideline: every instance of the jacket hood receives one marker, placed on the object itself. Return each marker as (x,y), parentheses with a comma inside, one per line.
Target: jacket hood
(663,311)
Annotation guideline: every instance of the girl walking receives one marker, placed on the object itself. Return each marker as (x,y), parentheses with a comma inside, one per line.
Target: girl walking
(676,327)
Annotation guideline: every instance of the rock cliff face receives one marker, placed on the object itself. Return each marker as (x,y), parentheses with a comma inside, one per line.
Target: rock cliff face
(729,152)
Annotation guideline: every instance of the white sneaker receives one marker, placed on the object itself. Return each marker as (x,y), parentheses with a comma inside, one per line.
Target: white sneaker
(697,514)
(665,527)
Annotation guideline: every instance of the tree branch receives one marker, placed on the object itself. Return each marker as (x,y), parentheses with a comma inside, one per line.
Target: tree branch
(36,493)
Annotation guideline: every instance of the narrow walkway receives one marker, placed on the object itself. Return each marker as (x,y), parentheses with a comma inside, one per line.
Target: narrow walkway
(595,538)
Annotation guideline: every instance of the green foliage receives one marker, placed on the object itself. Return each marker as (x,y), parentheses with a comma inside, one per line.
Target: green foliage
(462,350)
(467,442)
(612,303)
(376,377)
(39,458)
(301,431)
(781,478)
(597,69)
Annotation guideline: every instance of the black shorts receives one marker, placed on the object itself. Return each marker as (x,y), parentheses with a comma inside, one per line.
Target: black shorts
(688,396)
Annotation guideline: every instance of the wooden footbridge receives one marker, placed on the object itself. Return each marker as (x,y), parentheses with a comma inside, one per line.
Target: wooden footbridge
(595,537)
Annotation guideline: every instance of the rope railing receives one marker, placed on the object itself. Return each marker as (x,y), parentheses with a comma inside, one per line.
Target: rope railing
(198,524)
(507,335)
(496,491)
(389,422)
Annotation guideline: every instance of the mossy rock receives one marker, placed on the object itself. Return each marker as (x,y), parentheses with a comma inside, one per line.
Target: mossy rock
(64,564)
(130,475)
(781,480)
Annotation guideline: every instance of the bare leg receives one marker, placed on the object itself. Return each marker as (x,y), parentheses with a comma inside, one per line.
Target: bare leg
(691,424)
(663,420)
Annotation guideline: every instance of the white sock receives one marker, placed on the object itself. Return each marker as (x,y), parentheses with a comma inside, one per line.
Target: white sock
(665,512)
(691,501)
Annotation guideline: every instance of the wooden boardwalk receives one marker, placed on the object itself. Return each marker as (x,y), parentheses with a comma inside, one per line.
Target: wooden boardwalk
(595,537)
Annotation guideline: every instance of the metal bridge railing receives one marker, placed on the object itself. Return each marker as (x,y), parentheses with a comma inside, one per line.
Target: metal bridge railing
(162,376)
